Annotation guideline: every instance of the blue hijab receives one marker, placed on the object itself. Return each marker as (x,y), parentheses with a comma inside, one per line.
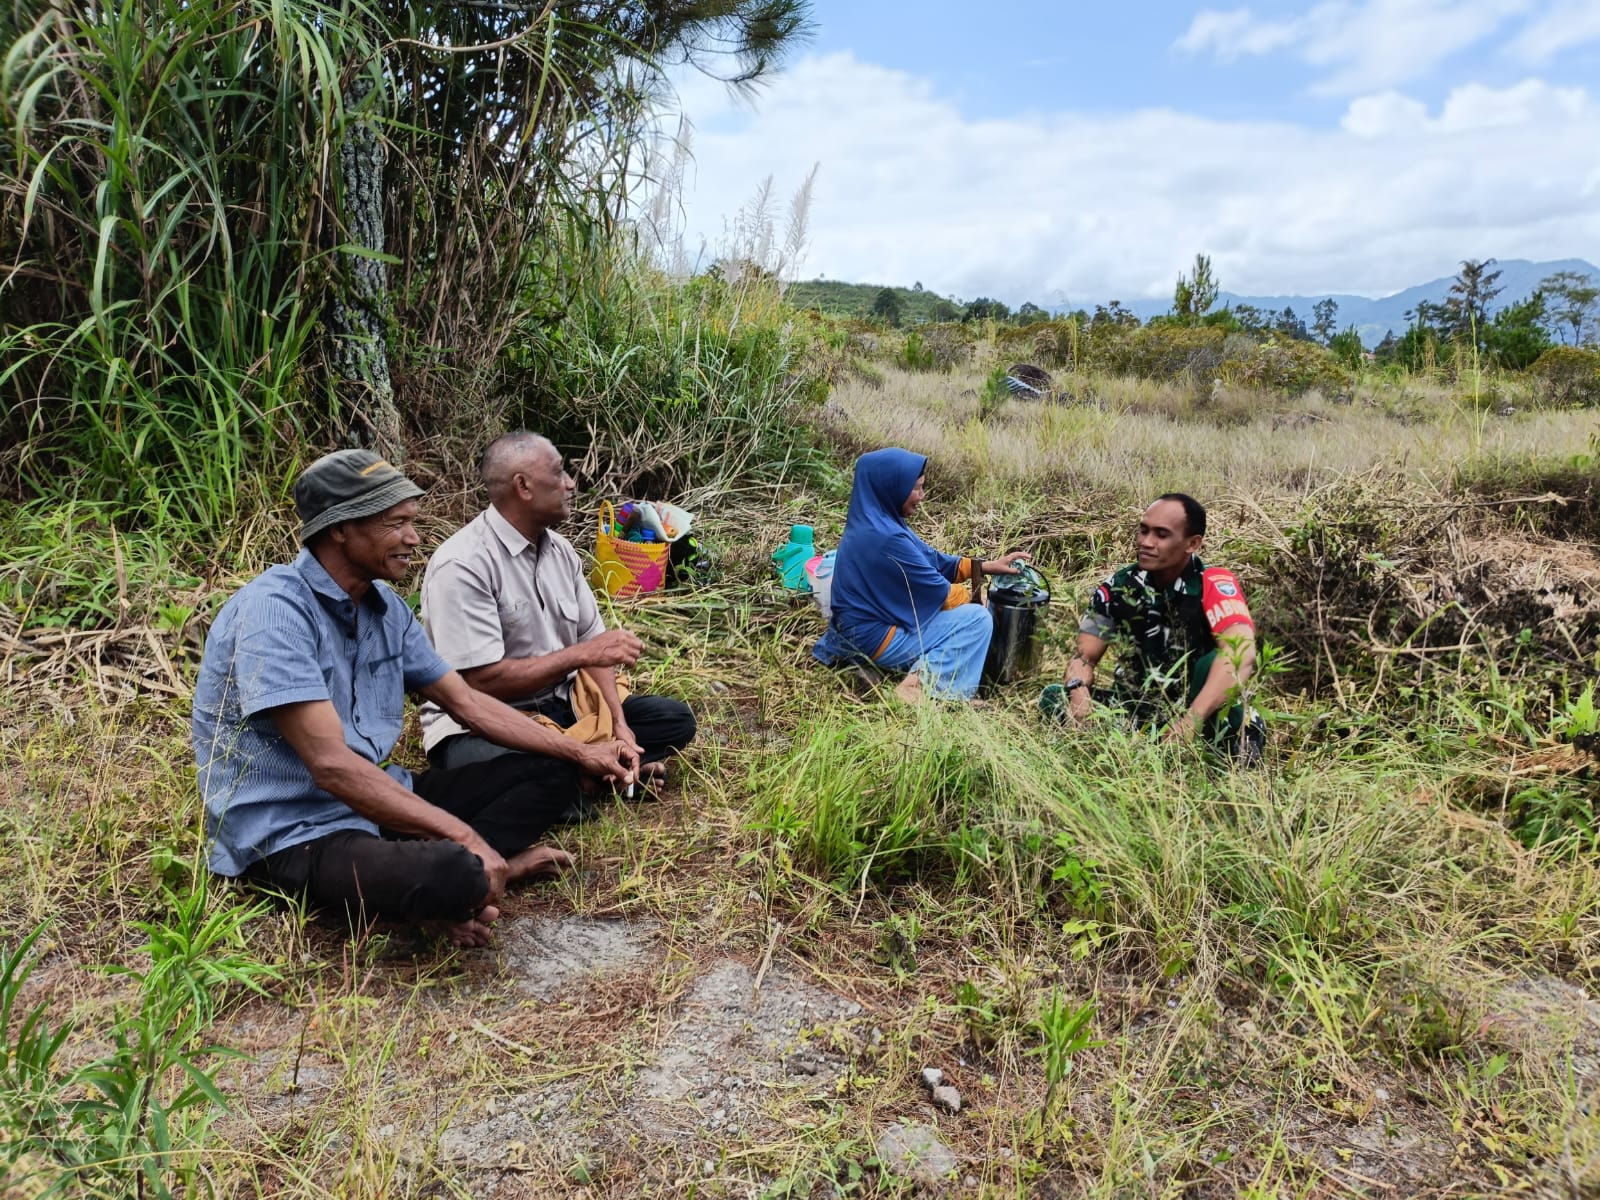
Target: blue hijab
(885,575)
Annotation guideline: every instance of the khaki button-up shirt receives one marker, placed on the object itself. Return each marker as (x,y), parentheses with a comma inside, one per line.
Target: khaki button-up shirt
(489,594)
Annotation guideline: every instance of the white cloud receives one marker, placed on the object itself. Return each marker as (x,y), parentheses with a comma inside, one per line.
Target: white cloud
(1383,115)
(1471,106)
(1566,25)
(1092,206)
(1530,102)
(1232,34)
(1359,45)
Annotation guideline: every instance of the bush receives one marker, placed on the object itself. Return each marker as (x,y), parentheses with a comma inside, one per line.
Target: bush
(660,387)
(1050,343)
(1568,376)
(1171,352)
(1158,351)
(1347,348)
(1286,365)
(934,348)
(157,226)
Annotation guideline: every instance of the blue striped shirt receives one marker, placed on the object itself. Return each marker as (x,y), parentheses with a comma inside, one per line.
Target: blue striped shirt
(288,636)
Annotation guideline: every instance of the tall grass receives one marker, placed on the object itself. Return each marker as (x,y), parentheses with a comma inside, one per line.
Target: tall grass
(1329,886)
(162,207)
(173,220)
(662,387)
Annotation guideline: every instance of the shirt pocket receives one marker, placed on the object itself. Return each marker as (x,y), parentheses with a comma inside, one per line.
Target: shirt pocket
(380,700)
(515,613)
(566,610)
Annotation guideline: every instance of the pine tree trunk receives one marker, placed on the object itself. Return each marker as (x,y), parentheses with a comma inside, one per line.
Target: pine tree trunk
(357,315)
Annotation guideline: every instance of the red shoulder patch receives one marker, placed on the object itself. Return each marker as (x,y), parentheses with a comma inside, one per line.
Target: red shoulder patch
(1223,600)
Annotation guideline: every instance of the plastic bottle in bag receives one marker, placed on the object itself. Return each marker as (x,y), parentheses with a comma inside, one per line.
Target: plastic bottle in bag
(790,558)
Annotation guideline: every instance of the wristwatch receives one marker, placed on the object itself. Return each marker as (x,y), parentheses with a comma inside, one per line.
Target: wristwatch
(1074,684)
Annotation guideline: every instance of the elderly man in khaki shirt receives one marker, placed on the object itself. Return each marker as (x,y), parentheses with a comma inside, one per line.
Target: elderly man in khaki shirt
(506,604)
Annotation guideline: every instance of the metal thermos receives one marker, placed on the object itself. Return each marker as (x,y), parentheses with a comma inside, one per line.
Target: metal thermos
(1018,604)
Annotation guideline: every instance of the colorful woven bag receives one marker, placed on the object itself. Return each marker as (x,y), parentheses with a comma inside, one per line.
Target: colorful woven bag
(622,567)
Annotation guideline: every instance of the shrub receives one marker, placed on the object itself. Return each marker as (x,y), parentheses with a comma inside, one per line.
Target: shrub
(914,354)
(1567,375)
(1050,343)
(662,387)
(1159,351)
(935,348)
(1286,365)
(1347,348)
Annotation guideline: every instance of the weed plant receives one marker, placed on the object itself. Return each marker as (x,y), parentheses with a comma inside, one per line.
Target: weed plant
(133,1120)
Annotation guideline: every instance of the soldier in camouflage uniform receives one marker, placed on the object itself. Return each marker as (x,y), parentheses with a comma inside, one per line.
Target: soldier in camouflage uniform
(1186,639)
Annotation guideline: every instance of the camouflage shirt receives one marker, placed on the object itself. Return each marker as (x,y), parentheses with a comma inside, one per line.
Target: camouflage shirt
(1162,631)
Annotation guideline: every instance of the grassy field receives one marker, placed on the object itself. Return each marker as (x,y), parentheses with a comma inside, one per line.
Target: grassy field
(1362,970)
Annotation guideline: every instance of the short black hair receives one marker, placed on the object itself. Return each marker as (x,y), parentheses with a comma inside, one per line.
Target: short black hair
(1194,513)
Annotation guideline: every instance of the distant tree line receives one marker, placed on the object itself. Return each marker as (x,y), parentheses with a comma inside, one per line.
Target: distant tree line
(1563,311)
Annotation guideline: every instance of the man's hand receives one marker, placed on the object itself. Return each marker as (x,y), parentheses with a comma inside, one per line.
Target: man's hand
(613,648)
(613,760)
(494,866)
(620,731)
(1080,704)
(1180,730)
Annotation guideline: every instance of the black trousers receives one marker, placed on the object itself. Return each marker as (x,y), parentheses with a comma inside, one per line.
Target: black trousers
(662,726)
(510,801)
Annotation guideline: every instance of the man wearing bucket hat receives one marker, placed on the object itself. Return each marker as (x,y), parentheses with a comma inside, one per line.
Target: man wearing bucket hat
(301,699)
(1188,635)
(506,602)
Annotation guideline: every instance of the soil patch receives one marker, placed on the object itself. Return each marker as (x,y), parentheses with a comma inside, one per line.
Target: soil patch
(545,955)
(733,1058)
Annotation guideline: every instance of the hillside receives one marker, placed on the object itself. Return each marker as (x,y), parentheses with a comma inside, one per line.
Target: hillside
(837,298)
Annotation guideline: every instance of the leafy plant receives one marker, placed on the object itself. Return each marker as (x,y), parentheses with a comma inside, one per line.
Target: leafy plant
(897,943)
(33,1101)
(1579,716)
(994,394)
(1064,1032)
(132,1119)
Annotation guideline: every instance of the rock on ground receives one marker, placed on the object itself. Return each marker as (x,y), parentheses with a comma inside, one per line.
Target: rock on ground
(915,1152)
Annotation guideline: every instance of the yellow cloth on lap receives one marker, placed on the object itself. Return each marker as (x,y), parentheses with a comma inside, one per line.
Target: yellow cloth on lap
(593,724)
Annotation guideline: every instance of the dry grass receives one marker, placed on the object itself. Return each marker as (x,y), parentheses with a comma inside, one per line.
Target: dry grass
(1132,438)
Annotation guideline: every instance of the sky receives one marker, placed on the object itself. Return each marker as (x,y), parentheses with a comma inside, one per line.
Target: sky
(1069,154)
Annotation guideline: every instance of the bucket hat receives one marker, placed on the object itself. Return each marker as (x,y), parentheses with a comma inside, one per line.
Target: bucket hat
(346,486)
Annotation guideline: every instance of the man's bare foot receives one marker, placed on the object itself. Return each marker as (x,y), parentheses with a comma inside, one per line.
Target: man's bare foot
(653,774)
(909,689)
(469,933)
(537,862)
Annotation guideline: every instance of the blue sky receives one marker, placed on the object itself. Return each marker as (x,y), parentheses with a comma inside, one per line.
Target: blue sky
(1070,153)
(1017,57)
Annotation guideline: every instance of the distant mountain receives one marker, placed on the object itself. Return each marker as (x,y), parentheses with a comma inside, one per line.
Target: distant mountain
(1373,318)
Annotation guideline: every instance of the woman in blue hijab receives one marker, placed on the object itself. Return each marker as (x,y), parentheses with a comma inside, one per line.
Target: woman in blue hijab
(896,600)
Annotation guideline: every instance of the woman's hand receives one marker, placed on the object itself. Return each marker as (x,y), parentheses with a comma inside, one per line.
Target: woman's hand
(1006,564)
